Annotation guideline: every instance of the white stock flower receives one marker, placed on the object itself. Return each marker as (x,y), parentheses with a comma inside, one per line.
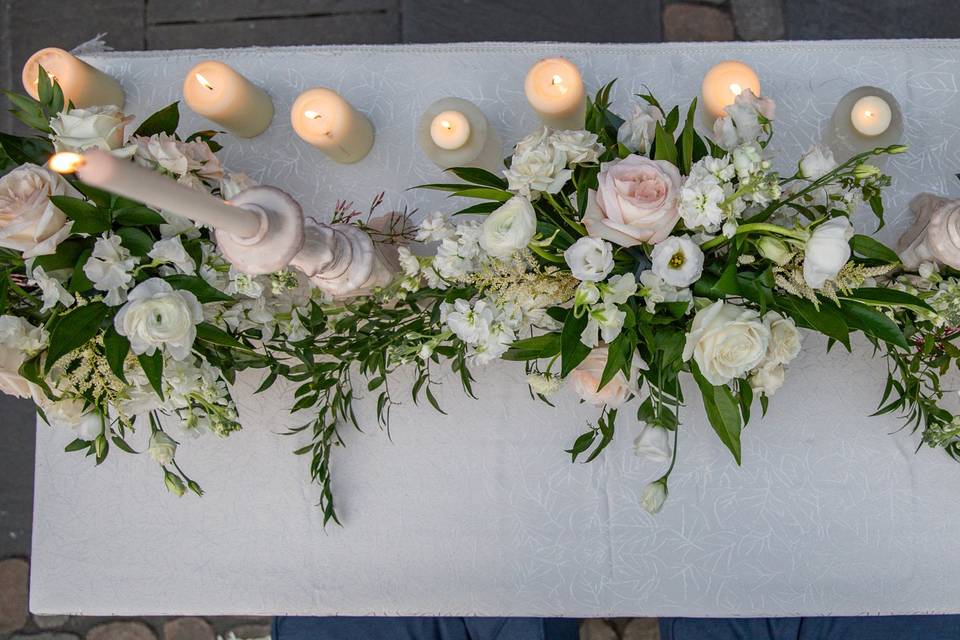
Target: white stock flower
(589,258)
(109,268)
(748,162)
(537,165)
(607,318)
(726,341)
(158,316)
(784,338)
(768,378)
(170,250)
(653,496)
(435,228)
(654,291)
(637,132)
(577,146)
(701,202)
(162,448)
(817,162)
(742,122)
(470,324)
(96,127)
(827,251)
(28,220)
(232,184)
(653,443)
(19,340)
(544,384)
(53,291)
(509,228)
(586,380)
(457,255)
(619,289)
(408,262)
(244,284)
(678,260)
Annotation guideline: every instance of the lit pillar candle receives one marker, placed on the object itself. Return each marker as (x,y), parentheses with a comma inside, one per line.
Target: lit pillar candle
(871,115)
(83,85)
(864,119)
(454,133)
(724,82)
(324,119)
(554,89)
(120,176)
(217,92)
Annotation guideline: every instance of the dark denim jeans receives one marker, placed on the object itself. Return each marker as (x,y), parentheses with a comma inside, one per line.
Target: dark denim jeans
(349,628)
(865,628)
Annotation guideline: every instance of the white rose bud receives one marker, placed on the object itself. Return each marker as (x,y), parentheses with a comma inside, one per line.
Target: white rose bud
(28,220)
(158,316)
(162,448)
(827,251)
(784,338)
(99,127)
(678,261)
(637,132)
(590,259)
(654,495)
(817,162)
(509,228)
(653,443)
(726,341)
(774,250)
(767,379)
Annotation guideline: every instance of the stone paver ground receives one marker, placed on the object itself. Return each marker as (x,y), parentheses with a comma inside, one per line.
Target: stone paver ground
(26,25)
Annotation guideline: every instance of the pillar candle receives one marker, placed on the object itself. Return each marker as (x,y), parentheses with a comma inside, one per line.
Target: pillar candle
(82,84)
(455,133)
(554,89)
(724,82)
(324,119)
(216,91)
(864,119)
(871,115)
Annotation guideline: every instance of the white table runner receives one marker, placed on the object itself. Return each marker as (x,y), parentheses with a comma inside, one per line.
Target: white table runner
(480,512)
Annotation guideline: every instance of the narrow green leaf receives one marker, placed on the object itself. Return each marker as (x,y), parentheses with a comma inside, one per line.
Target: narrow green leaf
(163,121)
(152,366)
(116,349)
(572,351)
(870,248)
(74,329)
(722,411)
(479,176)
(215,335)
(203,290)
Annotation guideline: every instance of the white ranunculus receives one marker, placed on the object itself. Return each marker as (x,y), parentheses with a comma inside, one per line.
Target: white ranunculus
(827,251)
(590,259)
(158,316)
(577,146)
(637,132)
(162,448)
(109,268)
(817,162)
(53,291)
(653,443)
(726,341)
(170,250)
(678,260)
(784,338)
(19,340)
(97,127)
(28,220)
(232,184)
(767,379)
(586,378)
(653,496)
(510,228)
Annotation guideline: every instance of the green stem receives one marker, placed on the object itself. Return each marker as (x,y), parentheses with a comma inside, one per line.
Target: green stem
(755,227)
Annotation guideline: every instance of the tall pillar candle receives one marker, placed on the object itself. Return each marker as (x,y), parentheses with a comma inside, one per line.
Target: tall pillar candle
(554,89)
(324,119)
(217,92)
(455,133)
(723,83)
(82,84)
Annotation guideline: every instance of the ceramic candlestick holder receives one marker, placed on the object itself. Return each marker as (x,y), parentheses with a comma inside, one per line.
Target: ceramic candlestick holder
(935,234)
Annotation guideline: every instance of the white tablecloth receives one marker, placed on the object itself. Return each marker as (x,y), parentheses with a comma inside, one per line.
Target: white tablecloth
(480,512)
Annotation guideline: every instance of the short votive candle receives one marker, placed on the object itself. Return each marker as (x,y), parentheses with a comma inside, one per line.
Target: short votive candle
(454,132)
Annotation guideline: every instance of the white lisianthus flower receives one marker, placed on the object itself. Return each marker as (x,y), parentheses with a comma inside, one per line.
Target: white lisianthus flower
(701,202)
(817,162)
(19,340)
(170,250)
(768,378)
(54,292)
(162,448)
(232,184)
(586,380)
(726,341)
(587,293)
(577,146)
(678,260)
(28,220)
(537,165)
(509,228)
(97,127)
(653,496)
(608,319)
(784,338)
(470,324)
(654,291)
(435,227)
(158,316)
(109,268)
(544,384)
(653,443)
(827,251)
(619,289)
(637,132)
(590,259)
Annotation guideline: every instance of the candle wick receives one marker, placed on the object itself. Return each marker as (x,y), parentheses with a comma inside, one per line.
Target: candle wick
(446,124)
(868,113)
(203,81)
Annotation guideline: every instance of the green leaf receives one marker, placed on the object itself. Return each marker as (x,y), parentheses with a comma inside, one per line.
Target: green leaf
(137,216)
(214,335)
(873,323)
(664,146)
(581,444)
(65,257)
(78,279)
(136,240)
(479,176)
(26,150)
(545,346)
(483,193)
(163,121)
(880,297)
(87,218)
(73,330)
(826,319)
(572,351)
(116,348)
(619,356)
(686,139)
(722,411)
(870,248)
(199,287)
(152,366)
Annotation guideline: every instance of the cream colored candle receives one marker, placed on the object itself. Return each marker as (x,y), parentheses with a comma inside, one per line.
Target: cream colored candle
(724,82)
(120,176)
(871,115)
(554,89)
(217,92)
(455,133)
(324,119)
(83,85)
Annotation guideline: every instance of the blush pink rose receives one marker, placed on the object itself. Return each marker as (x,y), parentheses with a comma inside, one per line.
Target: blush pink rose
(636,201)
(586,378)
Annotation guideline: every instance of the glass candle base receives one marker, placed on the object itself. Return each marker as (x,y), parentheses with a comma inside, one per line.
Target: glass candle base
(846,141)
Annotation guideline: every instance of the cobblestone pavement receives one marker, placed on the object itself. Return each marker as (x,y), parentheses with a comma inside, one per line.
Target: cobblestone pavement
(26,25)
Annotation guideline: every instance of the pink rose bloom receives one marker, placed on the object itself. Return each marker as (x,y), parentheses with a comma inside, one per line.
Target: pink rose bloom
(586,379)
(636,201)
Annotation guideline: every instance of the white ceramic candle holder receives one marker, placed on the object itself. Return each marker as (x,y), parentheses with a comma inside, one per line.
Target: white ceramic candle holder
(339,259)
(935,234)
(844,139)
(482,149)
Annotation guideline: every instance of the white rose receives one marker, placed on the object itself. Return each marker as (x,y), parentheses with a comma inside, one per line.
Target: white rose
(726,341)
(170,250)
(590,259)
(509,228)
(767,379)
(817,162)
(109,268)
(653,443)
(19,340)
(162,448)
(678,261)
(784,338)
(586,379)
(827,251)
(99,127)
(578,147)
(28,220)
(70,412)
(637,132)
(158,316)
(653,496)
(537,165)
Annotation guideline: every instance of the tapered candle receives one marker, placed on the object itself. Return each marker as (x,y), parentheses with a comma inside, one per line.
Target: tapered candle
(324,119)
(724,82)
(454,133)
(82,84)
(216,91)
(871,115)
(102,170)
(554,89)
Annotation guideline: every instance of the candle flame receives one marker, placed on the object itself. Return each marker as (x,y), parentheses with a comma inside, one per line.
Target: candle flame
(313,115)
(557,81)
(446,124)
(65,162)
(868,113)
(736,89)
(203,81)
